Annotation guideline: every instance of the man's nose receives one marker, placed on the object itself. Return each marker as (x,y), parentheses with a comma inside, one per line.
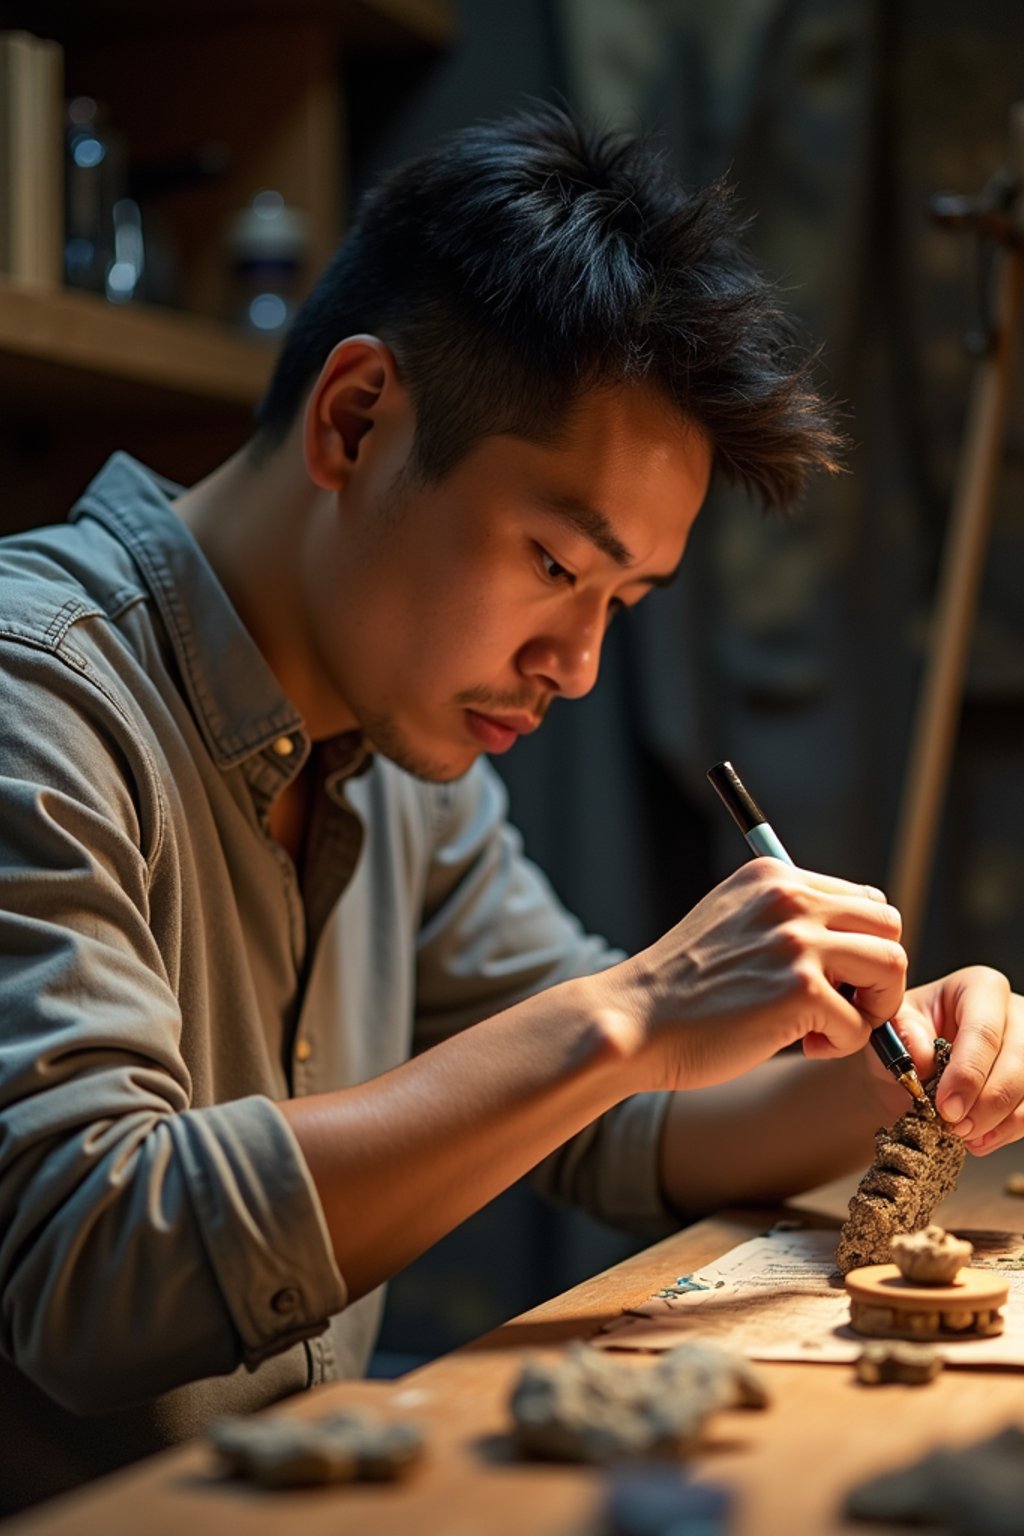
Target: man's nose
(565,662)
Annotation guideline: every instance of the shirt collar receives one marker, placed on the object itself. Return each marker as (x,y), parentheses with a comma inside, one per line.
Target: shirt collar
(235,696)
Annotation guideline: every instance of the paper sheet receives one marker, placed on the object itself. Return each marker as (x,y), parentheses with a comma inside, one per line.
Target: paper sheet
(772,1298)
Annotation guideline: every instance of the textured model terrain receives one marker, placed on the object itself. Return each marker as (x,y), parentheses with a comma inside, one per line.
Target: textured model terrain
(917,1163)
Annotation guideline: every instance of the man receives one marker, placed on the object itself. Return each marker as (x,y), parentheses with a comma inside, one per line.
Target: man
(253,862)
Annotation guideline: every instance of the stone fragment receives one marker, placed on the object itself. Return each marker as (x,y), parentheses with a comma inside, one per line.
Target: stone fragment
(589,1406)
(931,1256)
(974,1490)
(917,1163)
(912,1364)
(876,1320)
(280,1452)
(959,1320)
(651,1500)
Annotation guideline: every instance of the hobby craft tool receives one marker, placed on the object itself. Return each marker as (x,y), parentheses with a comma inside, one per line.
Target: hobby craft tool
(753,823)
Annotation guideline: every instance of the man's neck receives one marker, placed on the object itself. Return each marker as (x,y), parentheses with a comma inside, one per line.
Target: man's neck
(248,517)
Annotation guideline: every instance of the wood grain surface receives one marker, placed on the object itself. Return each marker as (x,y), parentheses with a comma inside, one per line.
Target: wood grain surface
(788,1467)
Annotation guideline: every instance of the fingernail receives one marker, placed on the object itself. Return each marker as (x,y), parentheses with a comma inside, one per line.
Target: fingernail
(963,1128)
(953,1109)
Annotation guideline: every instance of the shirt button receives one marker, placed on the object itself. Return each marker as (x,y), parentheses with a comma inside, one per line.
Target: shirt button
(303,1049)
(285,1300)
(284,746)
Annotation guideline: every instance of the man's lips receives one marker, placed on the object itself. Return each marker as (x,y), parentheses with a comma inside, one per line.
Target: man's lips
(496,733)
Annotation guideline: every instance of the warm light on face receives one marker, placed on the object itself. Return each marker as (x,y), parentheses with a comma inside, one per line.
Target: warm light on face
(452,614)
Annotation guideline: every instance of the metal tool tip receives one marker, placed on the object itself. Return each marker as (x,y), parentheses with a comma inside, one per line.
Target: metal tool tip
(912,1083)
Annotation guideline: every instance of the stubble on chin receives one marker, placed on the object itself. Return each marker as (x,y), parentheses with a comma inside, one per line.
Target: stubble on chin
(387,739)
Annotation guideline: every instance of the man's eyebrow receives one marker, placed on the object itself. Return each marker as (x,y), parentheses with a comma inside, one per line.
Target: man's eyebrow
(593,525)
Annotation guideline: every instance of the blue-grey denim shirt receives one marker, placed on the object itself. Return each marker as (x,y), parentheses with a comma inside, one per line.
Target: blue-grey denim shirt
(164,979)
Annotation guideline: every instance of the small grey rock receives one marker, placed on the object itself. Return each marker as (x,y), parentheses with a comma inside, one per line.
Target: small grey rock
(590,1407)
(976,1490)
(280,1452)
(898,1361)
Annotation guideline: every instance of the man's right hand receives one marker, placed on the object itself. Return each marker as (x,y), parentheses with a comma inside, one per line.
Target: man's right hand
(755,967)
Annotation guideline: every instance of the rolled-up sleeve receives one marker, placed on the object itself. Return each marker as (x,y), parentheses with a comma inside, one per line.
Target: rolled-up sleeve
(494,932)
(144,1241)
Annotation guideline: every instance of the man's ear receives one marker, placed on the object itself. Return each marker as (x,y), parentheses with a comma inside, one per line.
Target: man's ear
(357,385)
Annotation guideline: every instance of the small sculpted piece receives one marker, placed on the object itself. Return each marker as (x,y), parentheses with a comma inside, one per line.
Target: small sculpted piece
(589,1406)
(885,1306)
(280,1452)
(896,1360)
(1014,1184)
(931,1256)
(917,1163)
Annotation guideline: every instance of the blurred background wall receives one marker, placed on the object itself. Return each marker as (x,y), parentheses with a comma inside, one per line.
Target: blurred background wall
(793,648)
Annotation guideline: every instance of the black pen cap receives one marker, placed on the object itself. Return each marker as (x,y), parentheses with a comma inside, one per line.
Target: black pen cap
(740,804)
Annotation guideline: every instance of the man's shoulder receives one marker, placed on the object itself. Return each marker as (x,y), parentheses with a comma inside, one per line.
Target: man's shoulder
(53,577)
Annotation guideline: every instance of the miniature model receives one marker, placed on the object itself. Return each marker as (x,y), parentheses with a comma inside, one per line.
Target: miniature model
(931,1256)
(917,1163)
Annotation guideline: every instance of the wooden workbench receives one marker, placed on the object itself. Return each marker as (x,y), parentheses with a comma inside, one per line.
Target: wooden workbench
(789,1467)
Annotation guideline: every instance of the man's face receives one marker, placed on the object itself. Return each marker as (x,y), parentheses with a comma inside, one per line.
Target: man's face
(447,617)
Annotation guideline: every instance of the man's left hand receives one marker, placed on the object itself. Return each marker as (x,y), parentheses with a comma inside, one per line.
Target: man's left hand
(982,1089)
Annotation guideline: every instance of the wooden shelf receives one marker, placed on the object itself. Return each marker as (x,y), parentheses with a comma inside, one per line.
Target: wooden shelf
(137,345)
(263,80)
(259,80)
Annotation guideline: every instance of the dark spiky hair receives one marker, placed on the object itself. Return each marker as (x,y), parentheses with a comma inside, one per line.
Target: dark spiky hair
(519,263)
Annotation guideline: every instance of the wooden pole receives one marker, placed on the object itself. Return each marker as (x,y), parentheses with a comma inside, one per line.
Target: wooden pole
(938,712)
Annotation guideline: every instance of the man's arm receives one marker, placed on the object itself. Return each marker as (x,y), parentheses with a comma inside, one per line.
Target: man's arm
(144,1241)
(403,1158)
(787,1126)
(400,1160)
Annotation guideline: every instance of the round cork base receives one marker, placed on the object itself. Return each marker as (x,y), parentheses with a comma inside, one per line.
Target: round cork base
(883,1305)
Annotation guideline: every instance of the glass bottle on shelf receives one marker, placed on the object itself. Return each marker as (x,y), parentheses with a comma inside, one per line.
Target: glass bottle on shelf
(268,245)
(94,182)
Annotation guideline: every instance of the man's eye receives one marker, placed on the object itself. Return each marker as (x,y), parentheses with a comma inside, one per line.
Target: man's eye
(551,568)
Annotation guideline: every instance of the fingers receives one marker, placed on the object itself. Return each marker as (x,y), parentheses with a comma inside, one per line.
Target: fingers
(817,1046)
(767,869)
(864,915)
(1010,1129)
(831,885)
(850,935)
(837,904)
(975,1019)
(876,967)
(982,1089)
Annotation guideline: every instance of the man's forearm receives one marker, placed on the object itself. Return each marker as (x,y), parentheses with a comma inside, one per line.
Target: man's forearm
(788,1126)
(402,1159)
